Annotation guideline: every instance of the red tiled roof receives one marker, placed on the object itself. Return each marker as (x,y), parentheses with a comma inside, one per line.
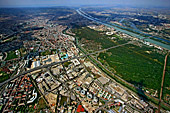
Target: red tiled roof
(80,108)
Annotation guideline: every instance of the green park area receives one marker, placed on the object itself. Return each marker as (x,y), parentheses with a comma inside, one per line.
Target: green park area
(41,104)
(3,76)
(66,64)
(11,55)
(92,38)
(47,52)
(140,65)
(63,100)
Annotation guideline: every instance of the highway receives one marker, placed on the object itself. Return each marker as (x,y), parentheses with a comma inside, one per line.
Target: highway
(55,63)
(163,77)
(122,29)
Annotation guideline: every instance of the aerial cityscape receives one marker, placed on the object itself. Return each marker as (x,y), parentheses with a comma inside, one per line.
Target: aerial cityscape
(74,56)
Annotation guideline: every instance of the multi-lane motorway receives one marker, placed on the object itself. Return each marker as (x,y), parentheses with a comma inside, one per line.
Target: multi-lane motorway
(121,29)
(55,63)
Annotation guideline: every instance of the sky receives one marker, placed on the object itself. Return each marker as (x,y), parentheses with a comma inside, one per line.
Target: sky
(43,3)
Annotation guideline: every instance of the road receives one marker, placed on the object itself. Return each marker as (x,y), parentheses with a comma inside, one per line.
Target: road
(103,67)
(43,97)
(102,107)
(148,95)
(163,77)
(55,63)
(123,30)
(113,80)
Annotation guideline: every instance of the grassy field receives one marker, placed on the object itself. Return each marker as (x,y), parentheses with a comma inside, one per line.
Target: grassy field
(41,105)
(66,64)
(4,76)
(63,100)
(96,36)
(141,66)
(11,55)
(47,52)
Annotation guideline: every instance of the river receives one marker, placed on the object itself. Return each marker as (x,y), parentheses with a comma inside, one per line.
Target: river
(125,31)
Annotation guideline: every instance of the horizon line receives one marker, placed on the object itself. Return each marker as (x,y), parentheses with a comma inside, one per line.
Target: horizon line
(86,5)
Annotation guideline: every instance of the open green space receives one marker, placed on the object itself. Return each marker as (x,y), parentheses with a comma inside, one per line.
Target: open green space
(41,104)
(96,37)
(63,100)
(11,55)
(134,66)
(47,52)
(141,66)
(66,64)
(3,76)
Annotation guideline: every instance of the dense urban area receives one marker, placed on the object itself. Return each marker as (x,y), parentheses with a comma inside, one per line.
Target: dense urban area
(84,60)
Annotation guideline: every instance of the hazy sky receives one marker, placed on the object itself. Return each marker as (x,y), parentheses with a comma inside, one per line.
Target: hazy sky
(39,3)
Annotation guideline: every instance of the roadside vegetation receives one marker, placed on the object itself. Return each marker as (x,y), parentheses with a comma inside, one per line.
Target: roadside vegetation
(138,64)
